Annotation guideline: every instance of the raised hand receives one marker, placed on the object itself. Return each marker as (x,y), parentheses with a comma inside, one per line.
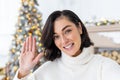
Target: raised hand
(28,57)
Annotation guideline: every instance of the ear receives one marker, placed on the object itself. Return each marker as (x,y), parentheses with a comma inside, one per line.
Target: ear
(80,28)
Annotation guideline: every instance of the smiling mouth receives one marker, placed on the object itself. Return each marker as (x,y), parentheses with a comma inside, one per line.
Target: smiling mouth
(69,46)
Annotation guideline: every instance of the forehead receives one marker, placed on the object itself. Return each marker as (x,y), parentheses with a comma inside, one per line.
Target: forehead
(61,23)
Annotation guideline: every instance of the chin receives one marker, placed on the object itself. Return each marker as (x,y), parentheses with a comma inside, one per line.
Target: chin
(75,54)
(71,54)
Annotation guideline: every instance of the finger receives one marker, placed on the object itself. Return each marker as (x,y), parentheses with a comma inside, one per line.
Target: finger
(38,57)
(34,45)
(27,45)
(30,43)
(23,48)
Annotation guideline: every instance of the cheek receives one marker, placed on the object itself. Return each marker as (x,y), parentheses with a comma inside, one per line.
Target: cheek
(57,43)
(76,39)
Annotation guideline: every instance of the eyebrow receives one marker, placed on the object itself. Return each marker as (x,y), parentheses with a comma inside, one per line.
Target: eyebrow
(64,28)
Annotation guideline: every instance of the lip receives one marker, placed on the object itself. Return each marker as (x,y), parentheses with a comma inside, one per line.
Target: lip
(69,46)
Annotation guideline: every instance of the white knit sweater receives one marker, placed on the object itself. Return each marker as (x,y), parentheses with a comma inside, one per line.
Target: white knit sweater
(85,66)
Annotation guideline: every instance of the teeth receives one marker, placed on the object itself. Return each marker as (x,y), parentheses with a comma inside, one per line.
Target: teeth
(68,46)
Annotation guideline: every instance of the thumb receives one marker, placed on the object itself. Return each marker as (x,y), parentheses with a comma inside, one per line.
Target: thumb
(38,57)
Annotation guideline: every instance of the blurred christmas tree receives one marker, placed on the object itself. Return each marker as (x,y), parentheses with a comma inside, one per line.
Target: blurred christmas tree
(29,23)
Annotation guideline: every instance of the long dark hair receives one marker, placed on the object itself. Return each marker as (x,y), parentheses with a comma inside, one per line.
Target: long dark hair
(51,51)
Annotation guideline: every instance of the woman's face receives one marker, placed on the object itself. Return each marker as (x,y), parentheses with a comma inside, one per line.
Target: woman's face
(67,36)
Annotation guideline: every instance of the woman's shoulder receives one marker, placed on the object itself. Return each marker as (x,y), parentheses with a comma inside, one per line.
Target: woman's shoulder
(109,68)
(46,69)
(48,65)
(104,60)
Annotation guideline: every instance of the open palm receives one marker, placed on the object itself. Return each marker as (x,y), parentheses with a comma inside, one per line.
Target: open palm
(28,57)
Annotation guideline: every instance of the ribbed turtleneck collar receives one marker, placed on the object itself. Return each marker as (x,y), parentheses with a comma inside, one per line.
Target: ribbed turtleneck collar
(84,57)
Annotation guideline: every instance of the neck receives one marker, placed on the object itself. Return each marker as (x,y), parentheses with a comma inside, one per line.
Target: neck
(83,57)
(77,53)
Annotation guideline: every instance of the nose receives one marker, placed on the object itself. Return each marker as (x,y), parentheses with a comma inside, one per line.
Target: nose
(64,39)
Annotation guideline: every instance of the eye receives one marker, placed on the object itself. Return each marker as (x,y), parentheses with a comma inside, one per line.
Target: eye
(68,31)
(56,37)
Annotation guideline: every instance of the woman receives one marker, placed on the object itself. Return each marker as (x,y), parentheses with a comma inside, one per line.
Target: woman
(66,44)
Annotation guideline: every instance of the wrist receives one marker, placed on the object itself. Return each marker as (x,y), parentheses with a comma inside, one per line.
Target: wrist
(22,73)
